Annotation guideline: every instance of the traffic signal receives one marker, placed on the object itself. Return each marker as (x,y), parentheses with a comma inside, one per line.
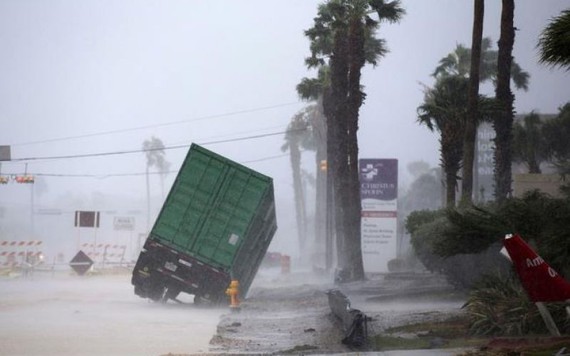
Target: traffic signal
(25,179)
(323,165)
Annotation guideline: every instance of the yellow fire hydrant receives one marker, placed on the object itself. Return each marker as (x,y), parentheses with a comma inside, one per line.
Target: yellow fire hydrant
(233,292)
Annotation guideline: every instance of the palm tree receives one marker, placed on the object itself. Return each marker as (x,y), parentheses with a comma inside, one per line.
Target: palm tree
(528,143)
(299,135)
(472,107)
(313,89)
(503,121)
(556,132)
(554,42)
(344,35)
(444,110)
(155,157)
(458,63)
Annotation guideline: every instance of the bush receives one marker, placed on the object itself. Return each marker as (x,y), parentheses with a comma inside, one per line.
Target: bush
(430,230)
(464,243)
(499,306)
(397,265)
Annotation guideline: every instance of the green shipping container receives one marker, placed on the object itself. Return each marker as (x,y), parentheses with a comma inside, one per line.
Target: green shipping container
(218,213)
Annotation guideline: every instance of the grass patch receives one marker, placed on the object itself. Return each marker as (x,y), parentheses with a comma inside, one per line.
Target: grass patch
(449,333)
(300,348)
(456,326)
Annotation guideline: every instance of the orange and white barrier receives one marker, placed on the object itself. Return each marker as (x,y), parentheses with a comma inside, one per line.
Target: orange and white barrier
(104,252)
(13,253)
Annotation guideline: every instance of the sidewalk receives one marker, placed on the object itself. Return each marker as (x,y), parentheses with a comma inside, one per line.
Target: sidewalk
(290,314)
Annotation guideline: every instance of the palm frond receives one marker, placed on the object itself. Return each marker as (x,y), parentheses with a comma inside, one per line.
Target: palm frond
(554,42)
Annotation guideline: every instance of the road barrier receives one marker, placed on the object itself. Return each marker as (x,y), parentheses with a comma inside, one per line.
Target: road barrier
(105,253)
(14,253)
(354,322)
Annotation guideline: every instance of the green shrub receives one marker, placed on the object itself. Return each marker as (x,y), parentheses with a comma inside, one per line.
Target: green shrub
(499,306)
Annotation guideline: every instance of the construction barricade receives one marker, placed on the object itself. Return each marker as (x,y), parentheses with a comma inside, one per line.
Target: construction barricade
(105,254)
(20,254)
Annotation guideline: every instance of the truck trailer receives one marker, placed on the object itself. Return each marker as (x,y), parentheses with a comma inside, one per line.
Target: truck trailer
(214,227)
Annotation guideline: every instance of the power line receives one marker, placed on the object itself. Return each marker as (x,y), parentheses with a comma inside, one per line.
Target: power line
(103,176)
(233,113)
(151,149)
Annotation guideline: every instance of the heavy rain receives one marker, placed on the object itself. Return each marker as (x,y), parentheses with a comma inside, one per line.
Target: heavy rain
(221,177)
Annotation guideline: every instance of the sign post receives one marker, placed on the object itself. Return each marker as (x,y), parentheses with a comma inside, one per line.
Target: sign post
(379,222)
(125,223)
(86,219)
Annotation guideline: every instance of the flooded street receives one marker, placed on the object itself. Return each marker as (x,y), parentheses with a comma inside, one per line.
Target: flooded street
(96,315)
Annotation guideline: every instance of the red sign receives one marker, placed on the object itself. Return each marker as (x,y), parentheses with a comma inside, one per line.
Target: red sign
(541,282)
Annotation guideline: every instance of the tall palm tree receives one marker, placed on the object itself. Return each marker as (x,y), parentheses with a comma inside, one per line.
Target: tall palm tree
(472,101)
(458,63)
(554,42)
(503,121)
(155,157)
(344,35)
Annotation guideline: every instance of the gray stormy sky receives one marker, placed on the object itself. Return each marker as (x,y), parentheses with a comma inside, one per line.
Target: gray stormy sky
(78,68)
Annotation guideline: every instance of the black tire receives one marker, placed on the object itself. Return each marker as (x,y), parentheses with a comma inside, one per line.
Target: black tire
(140,292)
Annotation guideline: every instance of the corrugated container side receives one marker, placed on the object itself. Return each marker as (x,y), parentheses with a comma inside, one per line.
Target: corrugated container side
(213,209)
(260,233)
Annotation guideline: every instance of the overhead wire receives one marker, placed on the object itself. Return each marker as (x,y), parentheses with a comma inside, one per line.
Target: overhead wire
(152,149)
(103,176)
(233,113)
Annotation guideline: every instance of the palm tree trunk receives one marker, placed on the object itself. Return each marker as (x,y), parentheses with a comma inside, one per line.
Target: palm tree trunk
(450,184)
(295,155)
(319,126)
(503,122)
(472,104)
(337,131)
(355,99)
(331,235)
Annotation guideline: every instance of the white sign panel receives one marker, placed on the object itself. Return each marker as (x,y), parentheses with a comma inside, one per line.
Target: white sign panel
(126,223)
(379,223)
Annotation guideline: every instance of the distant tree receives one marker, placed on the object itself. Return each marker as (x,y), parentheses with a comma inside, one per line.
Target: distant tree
(423,194)
(529,146)
(503,120)
(418,168)
(299,136)
(313,89)
(153,149)
(554,42)
(556,133)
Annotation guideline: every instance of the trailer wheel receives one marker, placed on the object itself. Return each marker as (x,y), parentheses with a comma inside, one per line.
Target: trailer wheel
(140,292)
(169,293)
(156,293)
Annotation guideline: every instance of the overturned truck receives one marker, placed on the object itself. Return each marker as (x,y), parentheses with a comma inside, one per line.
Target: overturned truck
(215,225)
